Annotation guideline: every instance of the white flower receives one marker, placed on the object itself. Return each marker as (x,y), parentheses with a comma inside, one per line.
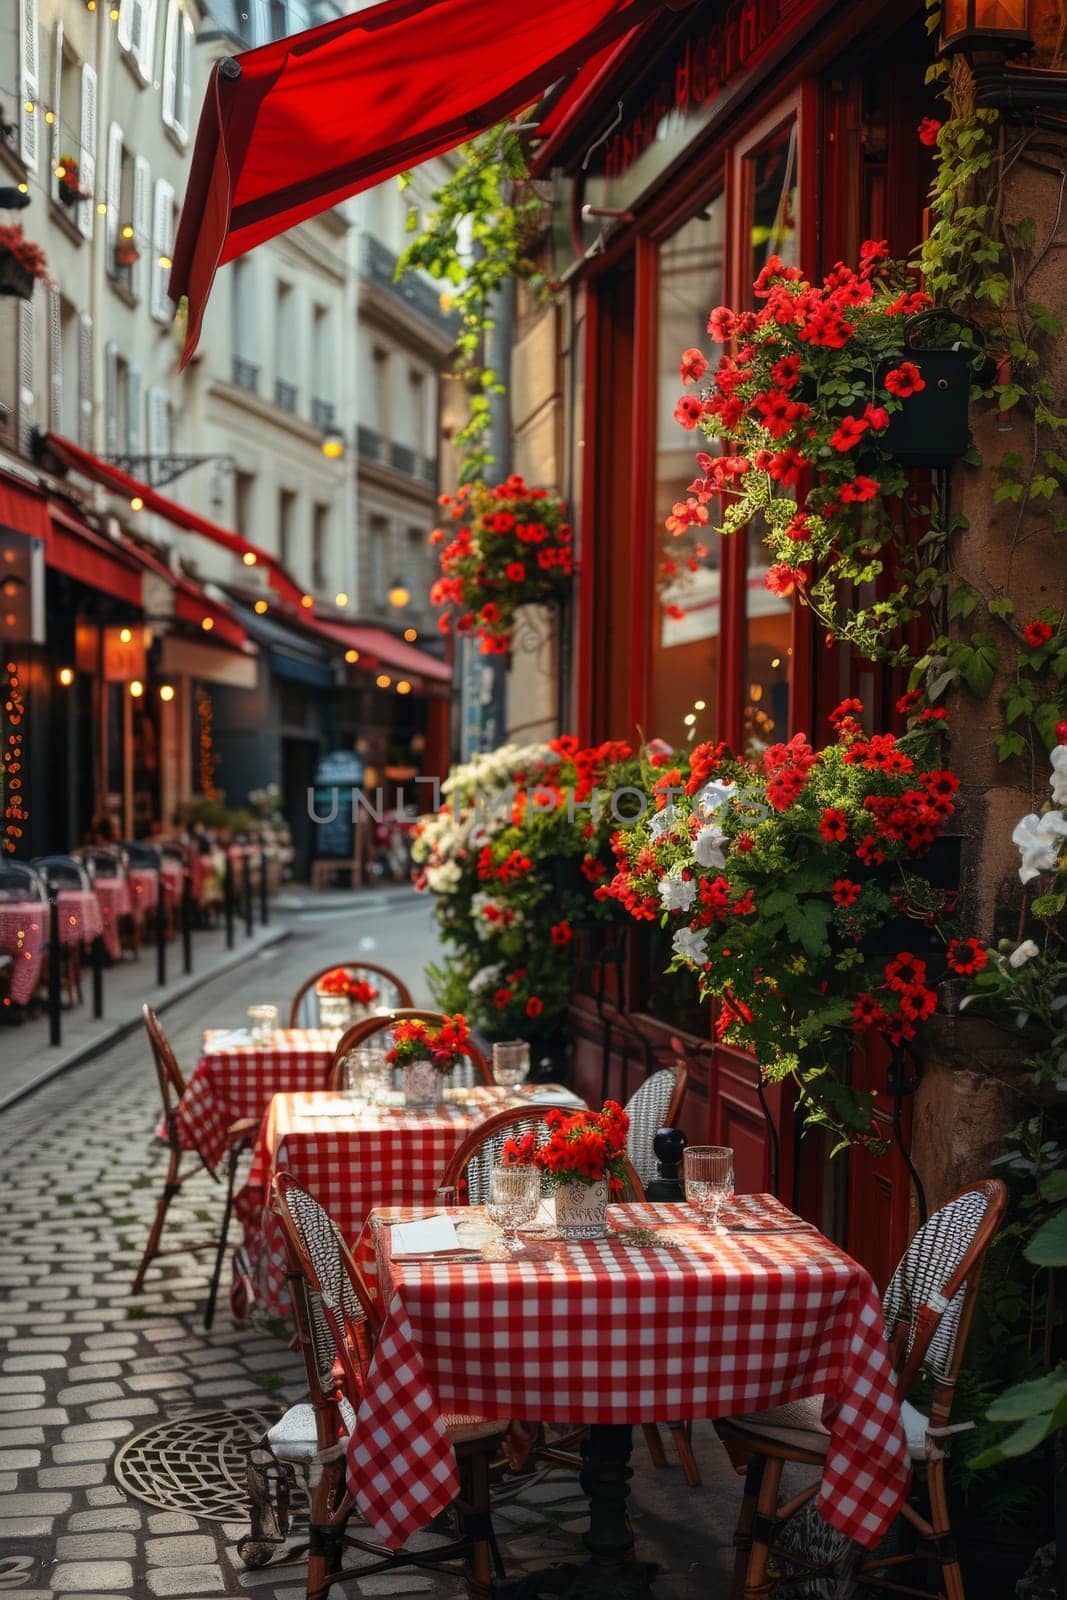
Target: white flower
(707,847)
(661,822)
(1059,775)
(444,879)
(486,978)
(710,800)
(1037,839)
(692,945)
(1026,952)
(677,894)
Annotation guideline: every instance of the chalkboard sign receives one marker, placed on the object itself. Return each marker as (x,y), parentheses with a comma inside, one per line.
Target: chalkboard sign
(336,776)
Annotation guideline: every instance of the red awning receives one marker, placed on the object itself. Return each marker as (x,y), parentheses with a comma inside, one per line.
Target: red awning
(92,558)
(121,483)
(290,129)
(23,508)
(193,604)
(380,647)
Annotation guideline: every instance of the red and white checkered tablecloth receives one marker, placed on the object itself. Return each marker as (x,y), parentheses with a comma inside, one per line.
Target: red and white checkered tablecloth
(80,917)
(23,935)
(144,888)
(113,898)
(601,1332)
(235,1081)
(350,1163)
(173,875)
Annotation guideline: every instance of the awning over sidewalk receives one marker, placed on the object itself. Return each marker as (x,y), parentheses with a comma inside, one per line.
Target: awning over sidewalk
(288,130)
(121,483)
(379,646)
(91,558)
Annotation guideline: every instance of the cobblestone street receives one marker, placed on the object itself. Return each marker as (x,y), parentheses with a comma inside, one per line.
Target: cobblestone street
(87,1366)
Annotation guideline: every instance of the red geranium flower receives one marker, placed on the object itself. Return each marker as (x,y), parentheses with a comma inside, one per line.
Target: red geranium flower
(834,825)
(781,579)
(966,956)
(905,380)
(866,1012)
(928,130)
(562,933)
(722,324)
(515,572)
(534,1006)
(845,892)
(876,417)
(1037,633)
(502,998)
(859,489)
(694,365)
(848,433)
(688,411)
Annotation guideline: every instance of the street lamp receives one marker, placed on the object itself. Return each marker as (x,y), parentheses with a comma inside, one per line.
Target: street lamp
(987,33)
(996,25)
(399,593)
(333,444)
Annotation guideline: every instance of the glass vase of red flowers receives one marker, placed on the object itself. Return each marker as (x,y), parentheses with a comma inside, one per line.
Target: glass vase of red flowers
(427,1052)
(583,1161)
(343,999)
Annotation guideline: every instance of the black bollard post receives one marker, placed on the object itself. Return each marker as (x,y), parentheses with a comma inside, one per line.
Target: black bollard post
(97,958)
(228,901)
(55,956)
(264,909)
(187,924)
(161,932)
(669,1145)
(247,892)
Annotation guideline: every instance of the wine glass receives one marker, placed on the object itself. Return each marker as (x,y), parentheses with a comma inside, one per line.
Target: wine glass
(511,1063)
(514,1196)
(709,1180)
(263,1022)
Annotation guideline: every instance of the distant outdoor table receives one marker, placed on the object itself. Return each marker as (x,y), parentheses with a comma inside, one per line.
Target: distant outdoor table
(351,1159)
(173,875)
(23,935)
(232,1081)
(607,1332)
(113,898)
(144,888)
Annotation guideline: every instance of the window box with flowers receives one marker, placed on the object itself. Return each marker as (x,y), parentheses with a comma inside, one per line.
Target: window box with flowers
(22,262)
(68,182)
(512,546)
(126,253)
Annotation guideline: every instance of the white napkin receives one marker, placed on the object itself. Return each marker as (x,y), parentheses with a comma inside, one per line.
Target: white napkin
(427,1237)
(551,1094)
(229,1038)
(336,1108)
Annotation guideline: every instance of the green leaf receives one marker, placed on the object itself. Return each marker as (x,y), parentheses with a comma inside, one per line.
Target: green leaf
(980,668)
(1004,606)
(1054,1187)
(1048,1247)
(1019,1443)
(1008,745)
(1025,1400)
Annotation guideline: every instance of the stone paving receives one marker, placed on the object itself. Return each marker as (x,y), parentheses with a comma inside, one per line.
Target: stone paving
(86,1365)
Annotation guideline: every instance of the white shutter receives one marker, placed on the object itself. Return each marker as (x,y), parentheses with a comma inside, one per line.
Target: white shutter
(111,398)
(126,22)
(57,89)
(145,51)
(171,46)
(85,381)
(142,224)
(87,157)
(55,362)
(133,411)
(29,121)
(160,442)
(162,230)
(185,59)
(114,192)
(26,375)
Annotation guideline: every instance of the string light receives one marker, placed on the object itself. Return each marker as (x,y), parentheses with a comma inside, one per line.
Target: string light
(101,208)
(126,231)
(207,623)
(411,634)
(260,608)
(340,598)
(137,504)
(125,635)
(49,117)
(136,689)
(65,676)
(166,263)
(207,762)
(166,692)
(403,687)
(307,601)
(250,558)
(383,680)
(15,812)
(351,656)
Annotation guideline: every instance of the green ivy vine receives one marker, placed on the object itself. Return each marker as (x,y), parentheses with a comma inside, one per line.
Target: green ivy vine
(476,233)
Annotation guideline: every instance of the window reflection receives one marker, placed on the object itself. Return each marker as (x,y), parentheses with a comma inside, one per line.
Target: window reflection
(773,188)
(685,648)
(768,658)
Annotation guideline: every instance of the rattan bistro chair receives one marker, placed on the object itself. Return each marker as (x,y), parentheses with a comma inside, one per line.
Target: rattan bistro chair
(656,1104)
(928,1308)
(465,1180)
(240,1137)
(336,1325)
(392,991)
(474,1069)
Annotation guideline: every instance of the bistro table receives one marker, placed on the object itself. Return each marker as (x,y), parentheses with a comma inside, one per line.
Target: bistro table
(670,1321)
(24,932)
(235,1079)
(353,1158)
(113,897)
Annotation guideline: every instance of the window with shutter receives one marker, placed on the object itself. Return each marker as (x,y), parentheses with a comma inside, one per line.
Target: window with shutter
(142,224)
(145,53)
(185,68)
(114,192)
(30,121)
(85,381)
(169,109)
(111,398)
(87,157)
(27,398)
(55,361)
(133,411)
(126,23)
(56,149)
(162,242)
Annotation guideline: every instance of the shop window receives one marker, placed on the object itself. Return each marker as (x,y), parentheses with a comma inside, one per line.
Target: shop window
(685,649)
(772,190)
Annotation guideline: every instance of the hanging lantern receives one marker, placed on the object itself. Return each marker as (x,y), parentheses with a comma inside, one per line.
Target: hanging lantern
(985,25)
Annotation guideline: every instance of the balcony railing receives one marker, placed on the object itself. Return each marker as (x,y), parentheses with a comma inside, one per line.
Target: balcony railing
(379,265)
(398,457)
(246,374)
(323,413)
(284,395)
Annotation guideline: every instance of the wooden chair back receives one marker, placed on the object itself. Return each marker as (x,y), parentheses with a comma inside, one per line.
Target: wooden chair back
(171,1081)
(358,1034)
(656,1104)
(393,991)
(467,1173)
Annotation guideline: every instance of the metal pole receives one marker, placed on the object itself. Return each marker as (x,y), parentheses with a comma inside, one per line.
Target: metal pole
(161,932)
(264,909)
(228,900)
(187,926)
(55,955)
(246,895)
(97,956)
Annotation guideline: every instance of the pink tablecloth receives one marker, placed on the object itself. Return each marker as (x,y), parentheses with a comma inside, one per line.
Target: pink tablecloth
(351,1163)
(173,875)
(144,888)
(113,897)
(23,935)
(80,918)
(603,1332)
(235,1081)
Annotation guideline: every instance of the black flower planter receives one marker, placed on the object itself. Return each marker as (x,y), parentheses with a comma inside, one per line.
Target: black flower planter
(941,869)
(70,197)
(932,427)
(14,277)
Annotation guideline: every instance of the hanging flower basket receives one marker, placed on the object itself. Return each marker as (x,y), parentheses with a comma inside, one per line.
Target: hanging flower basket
(69,188)
(14,277)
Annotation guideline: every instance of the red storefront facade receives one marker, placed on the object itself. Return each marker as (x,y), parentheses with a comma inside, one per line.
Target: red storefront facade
(703,143)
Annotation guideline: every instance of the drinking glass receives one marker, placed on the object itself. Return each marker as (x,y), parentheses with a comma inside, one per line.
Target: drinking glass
(514,1196)
(709,1180)
(511,1063)
(371,1072)
(263,1023)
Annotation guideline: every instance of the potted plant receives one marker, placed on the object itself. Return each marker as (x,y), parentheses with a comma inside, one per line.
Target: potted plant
(343,999)
(68,174)
(126,252)
(512,547)
(583,1161)
(427,1052)
(21,261)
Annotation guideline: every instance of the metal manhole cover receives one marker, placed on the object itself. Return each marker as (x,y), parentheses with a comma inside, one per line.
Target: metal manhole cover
(194,1463)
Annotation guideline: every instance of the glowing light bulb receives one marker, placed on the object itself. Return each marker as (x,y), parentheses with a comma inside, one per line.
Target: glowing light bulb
(207,623)
(403,687)
(411,634)
(137,504)
(250,558)
(136,689)
(126,230)
(49,117)
(700,705)
(166,263)
(66,676)
(383,680)
(260,607)
(307,601)
(125,635)
(101,208)
(340,598)
(351,656)
(60,170)
(166,691)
